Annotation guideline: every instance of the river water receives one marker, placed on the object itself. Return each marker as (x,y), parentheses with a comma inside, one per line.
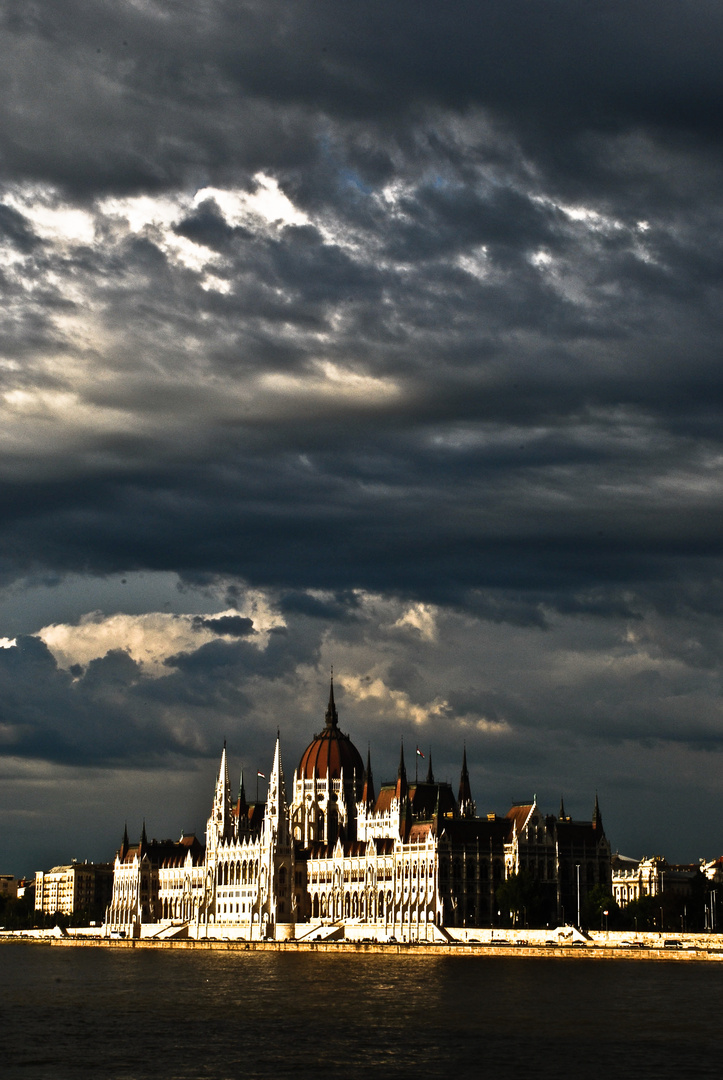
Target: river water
(136,1014)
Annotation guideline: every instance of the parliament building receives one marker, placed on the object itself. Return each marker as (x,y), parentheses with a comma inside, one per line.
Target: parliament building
(334,857)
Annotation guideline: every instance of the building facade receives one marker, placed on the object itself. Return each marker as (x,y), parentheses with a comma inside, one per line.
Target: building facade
(333,854)
(74,889)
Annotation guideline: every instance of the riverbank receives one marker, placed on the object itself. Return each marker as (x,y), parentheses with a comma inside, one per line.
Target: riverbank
(685,949)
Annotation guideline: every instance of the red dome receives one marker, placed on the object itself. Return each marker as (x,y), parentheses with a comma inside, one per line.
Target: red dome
(331,751)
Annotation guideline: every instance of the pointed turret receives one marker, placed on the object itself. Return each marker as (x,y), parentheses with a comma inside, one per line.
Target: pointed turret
(368,796)
(143,842)
(597,817)
(242,805)
(466,804)
(125,843)
(332,717)
(222,815)
(405,818)
(430,773)
(276,794)
(562,815)
(402,787)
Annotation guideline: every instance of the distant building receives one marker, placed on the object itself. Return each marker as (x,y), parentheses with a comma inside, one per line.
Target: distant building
(402,863)
(8,886)
(26,889)
(72,889)
(713,870)
(635,879)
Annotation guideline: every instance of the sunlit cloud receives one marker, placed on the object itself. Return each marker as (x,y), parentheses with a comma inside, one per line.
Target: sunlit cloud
(150,639)
(422,619)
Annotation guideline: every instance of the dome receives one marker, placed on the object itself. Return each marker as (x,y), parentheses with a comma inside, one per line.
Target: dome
(331,751)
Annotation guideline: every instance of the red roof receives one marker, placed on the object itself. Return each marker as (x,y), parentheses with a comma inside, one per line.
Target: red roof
(519,813)
(385,798)
(329,753)
(419,832)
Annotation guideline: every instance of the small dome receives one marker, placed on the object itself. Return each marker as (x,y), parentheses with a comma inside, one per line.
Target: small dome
(331,751)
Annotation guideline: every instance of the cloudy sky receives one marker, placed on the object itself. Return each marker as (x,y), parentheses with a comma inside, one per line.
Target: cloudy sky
(381,335)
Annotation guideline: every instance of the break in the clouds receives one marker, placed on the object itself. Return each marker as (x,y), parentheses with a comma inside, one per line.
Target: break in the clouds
(385,336)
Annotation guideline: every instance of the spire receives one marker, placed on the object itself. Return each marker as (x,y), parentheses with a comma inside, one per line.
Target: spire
(222,801)
(332,717)
(405,819)
(562,815)
(466,805)
(242,804)
(430,774)
(144,838)
(275,817)
(402,786)
(368,797)
(597,817)
(125,843)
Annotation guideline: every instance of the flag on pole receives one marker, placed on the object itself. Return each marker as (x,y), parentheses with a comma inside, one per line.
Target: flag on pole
(262,775)
(419,752)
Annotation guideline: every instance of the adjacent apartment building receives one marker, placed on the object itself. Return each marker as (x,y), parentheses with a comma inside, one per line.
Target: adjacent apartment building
(78,887)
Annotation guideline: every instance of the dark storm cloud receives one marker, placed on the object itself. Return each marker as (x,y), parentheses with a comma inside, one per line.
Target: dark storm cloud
(473,361)
(16,229)
(340,607)
(160,88)
(233,625)
(112,713)
(52,715)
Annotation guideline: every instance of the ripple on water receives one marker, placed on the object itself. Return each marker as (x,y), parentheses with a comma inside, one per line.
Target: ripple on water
(184,1015)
